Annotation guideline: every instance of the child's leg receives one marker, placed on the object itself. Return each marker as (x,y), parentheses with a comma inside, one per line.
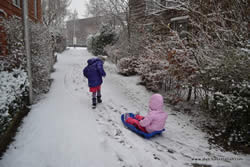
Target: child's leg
(93,94)
(99,100)
(135,123)
(94,98)
(139,117)
(99,93)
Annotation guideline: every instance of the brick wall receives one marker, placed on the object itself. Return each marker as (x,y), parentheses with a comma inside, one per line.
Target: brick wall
(137,10)
(8,9)
(3,43)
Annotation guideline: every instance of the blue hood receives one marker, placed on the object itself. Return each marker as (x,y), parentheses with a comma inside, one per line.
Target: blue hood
(93,60)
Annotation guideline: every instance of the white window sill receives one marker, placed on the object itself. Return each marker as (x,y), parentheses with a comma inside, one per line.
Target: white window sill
(16,5)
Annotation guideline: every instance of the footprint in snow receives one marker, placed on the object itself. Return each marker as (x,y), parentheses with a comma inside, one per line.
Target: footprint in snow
(110,107)
(124,108)
(156,157)
(162,147)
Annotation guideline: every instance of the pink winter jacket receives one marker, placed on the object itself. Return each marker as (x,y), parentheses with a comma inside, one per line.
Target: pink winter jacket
(156,118)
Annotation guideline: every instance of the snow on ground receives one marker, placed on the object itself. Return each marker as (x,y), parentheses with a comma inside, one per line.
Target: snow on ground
(63,131)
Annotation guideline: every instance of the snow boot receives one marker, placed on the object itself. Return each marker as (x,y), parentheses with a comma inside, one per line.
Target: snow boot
(93,102)
(99,100)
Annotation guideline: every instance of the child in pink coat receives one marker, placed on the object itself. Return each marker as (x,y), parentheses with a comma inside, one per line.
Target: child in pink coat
(155,119)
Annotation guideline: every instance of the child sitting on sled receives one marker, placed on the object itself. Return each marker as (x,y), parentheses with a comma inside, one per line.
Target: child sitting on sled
(155,119)
(94,72)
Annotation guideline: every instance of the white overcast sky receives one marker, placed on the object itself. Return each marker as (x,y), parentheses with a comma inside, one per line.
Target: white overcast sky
(79,5)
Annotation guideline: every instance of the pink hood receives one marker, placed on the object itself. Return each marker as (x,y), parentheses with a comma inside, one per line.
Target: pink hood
(156,118)
(156,102)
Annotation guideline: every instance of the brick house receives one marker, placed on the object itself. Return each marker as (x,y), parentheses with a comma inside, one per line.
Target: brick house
(144,11)
(10,8)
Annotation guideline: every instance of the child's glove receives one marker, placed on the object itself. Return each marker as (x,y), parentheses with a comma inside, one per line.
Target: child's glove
(139,117)
(126,116)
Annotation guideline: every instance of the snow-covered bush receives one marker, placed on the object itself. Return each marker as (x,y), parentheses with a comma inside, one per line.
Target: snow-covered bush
(232,111)
(152,72)
(59,42)
(229,72)
(127,66)
(42,58)
(15,45)
(153,80)
(97,42)
(120,49)
(42,46)
(13,89)
(230,104)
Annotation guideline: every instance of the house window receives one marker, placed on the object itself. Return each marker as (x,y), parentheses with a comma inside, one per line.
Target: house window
(17,3)
(180,24)
(35,8)
(153,6)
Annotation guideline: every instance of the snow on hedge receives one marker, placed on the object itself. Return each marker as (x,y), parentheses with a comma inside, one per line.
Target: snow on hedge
(12,86)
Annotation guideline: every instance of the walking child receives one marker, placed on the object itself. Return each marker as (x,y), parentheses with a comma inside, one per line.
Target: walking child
(94,72)
(155,119)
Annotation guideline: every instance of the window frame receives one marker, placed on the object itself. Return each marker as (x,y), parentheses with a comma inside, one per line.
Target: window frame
(16,3)
(154,6)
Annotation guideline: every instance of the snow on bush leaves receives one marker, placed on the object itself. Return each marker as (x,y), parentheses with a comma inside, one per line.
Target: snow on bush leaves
(105,36)
(12,88)
(128,65)
(12,85)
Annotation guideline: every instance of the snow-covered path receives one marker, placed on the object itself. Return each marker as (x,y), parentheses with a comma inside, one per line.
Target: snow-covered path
(63,131)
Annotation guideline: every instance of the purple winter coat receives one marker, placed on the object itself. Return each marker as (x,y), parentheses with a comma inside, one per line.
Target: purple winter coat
(156,118)
(94,72)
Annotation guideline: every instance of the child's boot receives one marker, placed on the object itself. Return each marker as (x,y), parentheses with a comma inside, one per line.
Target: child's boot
(99,100)
(93,102)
